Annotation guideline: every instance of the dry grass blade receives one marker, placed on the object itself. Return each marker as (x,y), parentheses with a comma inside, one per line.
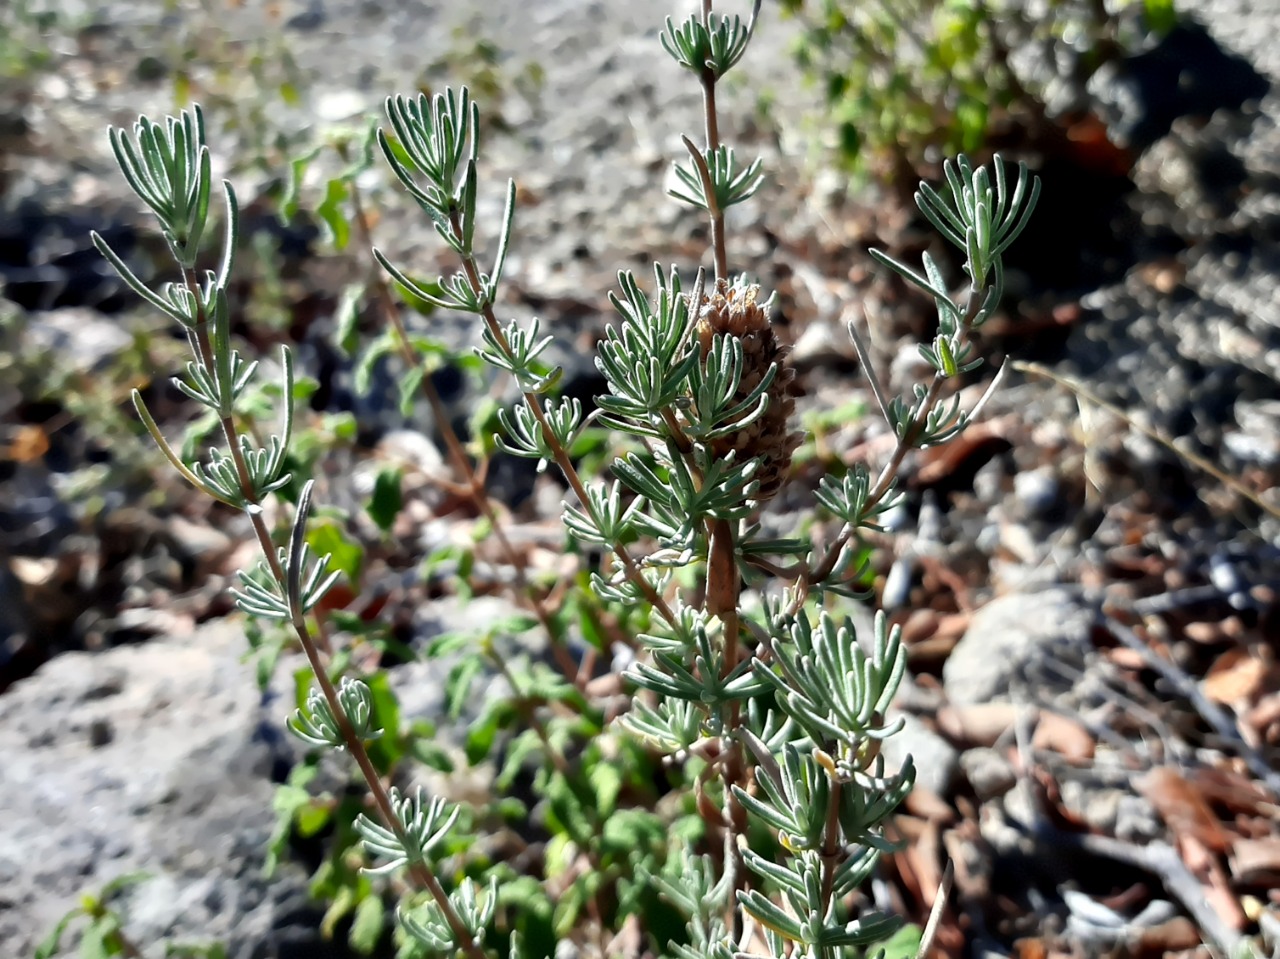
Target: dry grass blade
(935,914)
(1199,462)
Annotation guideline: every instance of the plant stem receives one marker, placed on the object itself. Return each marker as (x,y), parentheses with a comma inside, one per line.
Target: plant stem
(712,128)
(126,945)
(421,872)
(831,842)
(453,445)
(724,582)
(229,433)
(561,454)
(884,482)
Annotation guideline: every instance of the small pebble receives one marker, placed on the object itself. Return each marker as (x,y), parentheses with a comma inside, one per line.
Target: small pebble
(988,771)
(101,733)
(1038,490)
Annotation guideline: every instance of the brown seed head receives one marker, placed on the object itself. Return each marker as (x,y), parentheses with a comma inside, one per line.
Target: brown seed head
(733,309)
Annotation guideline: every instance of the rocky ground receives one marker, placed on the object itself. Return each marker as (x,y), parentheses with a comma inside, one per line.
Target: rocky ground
(1092,617)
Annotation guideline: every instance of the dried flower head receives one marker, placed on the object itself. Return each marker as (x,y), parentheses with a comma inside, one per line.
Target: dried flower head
(732,309)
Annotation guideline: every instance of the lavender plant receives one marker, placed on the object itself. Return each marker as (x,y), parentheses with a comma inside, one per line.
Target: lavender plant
(769,709)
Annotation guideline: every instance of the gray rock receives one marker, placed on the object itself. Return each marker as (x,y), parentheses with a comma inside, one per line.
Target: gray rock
(989,772)
(420,685)
(1038,491)
(1136,820)
(145,758)
(1258,438)
(1012,641)
(82,339)
(935,759)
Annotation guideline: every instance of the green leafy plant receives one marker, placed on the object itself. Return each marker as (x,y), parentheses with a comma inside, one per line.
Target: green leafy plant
(24,47)
(101,935)
(734,803)
(906,83)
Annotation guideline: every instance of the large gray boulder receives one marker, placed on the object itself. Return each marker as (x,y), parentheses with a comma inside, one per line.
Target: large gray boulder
(157,758)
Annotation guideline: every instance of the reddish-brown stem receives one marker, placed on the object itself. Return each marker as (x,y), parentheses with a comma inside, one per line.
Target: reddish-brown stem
(712,128)
(724,583)
(831,841)
(718,247)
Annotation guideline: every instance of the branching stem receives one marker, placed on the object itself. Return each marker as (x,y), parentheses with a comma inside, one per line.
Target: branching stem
(888,475)
(557,448)
(472,482)
(421,872)
(724,582)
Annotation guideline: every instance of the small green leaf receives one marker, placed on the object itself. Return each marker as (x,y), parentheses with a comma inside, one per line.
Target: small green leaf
(93,944)
(286,802)
(332,215)
(397,150)
(367,925)
(483,421)
(437,351)
(903,944)
(51,943)
(497,715)
(530,909)
(431,754)
(632,831)
(363,375)
(345,554)
(410,383)
(265,665)
(181,88)
(288,799)
(437,558)
(347,317)
(124,881)
(343,426)
(527,744)
(971,121)
(1160,15)
(343,902)
(510,809)
(513,625)
(592,629)
(447,643)
(466,563)
(573,901)
(417,303)
(340,663)
(302,679)
(293,188)
(558,855)
(606,780)
(458,684)
(566,811)
(386,501)
(388,749)
(311,818)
